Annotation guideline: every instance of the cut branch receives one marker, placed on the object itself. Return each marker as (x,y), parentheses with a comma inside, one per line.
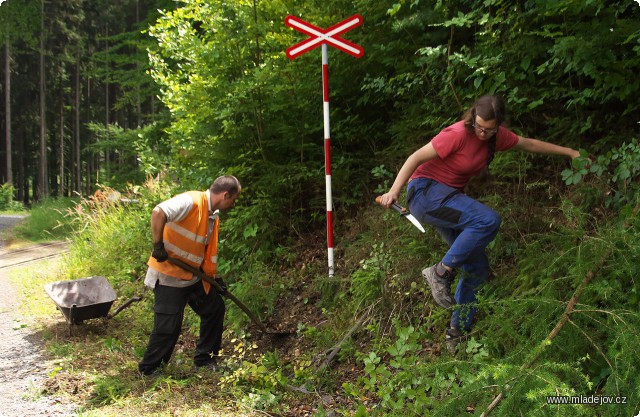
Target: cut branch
(556,330)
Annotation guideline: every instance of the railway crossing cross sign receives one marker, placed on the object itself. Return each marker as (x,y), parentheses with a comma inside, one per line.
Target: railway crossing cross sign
(324,37)
(318,36)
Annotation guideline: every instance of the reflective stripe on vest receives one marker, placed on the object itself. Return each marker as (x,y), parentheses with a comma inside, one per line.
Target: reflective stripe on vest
(186,233)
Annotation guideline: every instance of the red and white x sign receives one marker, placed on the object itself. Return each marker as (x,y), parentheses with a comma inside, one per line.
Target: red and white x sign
(319,36)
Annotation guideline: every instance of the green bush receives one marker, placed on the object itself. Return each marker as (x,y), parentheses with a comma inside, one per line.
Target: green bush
(112,238)
(367,282)
(6,199)
(6,196)
(620,167)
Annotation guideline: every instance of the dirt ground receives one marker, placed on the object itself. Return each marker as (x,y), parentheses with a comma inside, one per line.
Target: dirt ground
(23,366)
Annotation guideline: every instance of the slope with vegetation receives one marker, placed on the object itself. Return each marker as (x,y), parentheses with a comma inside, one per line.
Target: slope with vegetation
(560,315)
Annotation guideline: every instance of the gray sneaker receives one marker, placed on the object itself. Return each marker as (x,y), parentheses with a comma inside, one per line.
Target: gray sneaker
(440,287)
(454,337)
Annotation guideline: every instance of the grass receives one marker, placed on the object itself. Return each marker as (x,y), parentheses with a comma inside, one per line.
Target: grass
(29,282)
(13,212)
(387,364)
(49,220)
(44,222)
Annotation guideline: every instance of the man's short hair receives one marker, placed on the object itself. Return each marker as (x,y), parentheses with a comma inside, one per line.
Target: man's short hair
(225,183)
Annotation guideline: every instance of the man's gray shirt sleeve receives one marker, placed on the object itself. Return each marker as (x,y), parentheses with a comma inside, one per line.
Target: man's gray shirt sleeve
(176,209)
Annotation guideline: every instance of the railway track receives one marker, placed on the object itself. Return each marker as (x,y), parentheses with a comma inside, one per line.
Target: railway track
(23,256)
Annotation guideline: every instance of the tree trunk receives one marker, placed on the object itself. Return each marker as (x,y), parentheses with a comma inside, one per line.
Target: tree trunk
(88,158)
(138,98)
(89,161)
(42,191)
(7,109)
(77,167)
(23,189)
(61,186)
(107,104)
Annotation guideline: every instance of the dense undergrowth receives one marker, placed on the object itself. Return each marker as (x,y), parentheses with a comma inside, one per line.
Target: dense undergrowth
(557,243)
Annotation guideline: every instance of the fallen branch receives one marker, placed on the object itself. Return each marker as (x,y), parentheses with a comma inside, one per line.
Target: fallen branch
(334,351)
(556,330)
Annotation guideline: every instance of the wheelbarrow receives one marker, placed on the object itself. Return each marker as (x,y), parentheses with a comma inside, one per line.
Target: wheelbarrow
(84,299)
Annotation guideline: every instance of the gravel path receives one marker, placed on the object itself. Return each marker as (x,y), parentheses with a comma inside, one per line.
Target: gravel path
(23,367)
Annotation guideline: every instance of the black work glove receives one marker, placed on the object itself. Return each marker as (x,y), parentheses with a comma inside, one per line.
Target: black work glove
(159,252)
(223,285)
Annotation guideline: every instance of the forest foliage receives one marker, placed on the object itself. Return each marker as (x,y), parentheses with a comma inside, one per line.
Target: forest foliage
(229,101)
(237,103)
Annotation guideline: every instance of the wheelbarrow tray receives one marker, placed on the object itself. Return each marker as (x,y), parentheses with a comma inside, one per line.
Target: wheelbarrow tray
(82,299)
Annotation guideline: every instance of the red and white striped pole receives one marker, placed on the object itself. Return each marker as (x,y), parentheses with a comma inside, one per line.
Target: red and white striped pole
(327,156)
(317,37)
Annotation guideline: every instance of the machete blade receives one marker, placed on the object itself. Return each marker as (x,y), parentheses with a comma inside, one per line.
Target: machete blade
(415,221)
(405,213)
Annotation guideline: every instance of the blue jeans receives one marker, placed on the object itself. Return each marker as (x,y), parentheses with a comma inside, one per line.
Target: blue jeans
(467,226)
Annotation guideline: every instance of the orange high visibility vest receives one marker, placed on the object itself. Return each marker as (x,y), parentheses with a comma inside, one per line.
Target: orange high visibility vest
(187,240)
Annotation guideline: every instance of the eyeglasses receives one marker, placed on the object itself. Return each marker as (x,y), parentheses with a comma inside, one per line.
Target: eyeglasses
(484,130)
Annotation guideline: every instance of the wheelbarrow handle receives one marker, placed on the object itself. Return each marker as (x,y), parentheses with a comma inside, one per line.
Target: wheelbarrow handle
(227,293)
(123,306)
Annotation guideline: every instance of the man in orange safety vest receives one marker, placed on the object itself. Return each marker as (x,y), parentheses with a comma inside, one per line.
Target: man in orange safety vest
(186,227)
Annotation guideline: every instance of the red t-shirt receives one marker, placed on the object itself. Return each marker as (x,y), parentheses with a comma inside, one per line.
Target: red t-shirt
(461,155)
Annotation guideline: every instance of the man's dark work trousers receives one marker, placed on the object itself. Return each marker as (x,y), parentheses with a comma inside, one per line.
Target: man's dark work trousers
(169,306)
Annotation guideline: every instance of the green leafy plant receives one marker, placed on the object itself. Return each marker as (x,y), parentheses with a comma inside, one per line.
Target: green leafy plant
(619,166)
(382,174)
(476,349)
(367,283)
(579,168)
(405,384)
(112,344)
(256,383)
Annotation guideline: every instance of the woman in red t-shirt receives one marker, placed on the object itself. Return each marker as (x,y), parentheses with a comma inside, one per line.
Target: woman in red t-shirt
(437,173)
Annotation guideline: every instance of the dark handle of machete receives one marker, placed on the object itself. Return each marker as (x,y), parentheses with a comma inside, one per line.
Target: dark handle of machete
(216,286)
(197,273)
(395,206)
